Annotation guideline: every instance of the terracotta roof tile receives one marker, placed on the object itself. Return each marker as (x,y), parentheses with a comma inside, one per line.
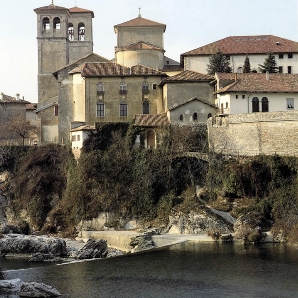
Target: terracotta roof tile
(31,106)
(50,7)
(11,99)
(103,69)
(140,22)
(155,120)
(258,82)
(84,128)
(145,70)
(192,99)
(259,44)
(81,10)
(188,76)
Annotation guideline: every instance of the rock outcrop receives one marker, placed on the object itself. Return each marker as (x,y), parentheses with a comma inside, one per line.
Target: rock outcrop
(30,244)
(92,249)
(25,289)
(143,241)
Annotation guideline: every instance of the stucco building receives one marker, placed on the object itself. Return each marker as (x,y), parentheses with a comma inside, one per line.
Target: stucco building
(236,48)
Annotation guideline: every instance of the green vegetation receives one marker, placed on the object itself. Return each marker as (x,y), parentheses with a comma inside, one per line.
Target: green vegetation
(54,192)
(264,184)
(218,62)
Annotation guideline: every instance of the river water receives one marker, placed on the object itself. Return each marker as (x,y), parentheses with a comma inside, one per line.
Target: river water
(192,269)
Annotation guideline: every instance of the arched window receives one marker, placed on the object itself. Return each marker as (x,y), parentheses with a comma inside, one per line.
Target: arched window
(57,23)
(123,88)
(100,88)
(81,31)
(240,70)
(265,104)
(255,105)
(195,117)
(70,32)
(145,87)
(181,117)
(100,109)
(146,107)
(123,109)
(46,24)
(209,115)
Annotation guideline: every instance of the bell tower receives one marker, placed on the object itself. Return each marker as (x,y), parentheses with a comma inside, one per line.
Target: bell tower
(63,37)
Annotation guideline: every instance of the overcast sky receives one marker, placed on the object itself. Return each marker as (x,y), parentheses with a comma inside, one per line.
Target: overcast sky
(190,24)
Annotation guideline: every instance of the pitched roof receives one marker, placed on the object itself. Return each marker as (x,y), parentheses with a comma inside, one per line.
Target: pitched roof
(139,45)
(11,99)
(260,82)
(187,76)
(140,22)
(49,7)
(155,120)
(80,61)
(81,10)
(31,106)
(94,69)
(145,70)
(71,10)
(192,99)
(99,69)
(83,128)
(258,44)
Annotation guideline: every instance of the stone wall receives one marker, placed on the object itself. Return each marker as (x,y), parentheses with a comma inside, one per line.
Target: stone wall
(255,133)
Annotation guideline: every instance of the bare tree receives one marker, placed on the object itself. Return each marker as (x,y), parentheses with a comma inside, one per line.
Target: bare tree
(16,129)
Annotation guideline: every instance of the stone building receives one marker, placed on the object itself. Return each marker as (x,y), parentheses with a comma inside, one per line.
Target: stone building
(63,36)
(13,111)
(188,97)
(236,48)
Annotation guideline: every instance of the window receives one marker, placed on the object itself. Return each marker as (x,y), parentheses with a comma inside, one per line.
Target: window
(236,96)
(265,104)
(78,138)
(99,88)
(227,105)
(100,109)
(243,96)
(81,31)
(46,24)
(195,117)
(280,70)
(57,24)
(289,69)
(145,88)
(154,86)
(280,56)
(255,105)
(123,88)
(73,138)
(55,110)
(240,70)
(146,107)
(123,109)
(290,55)
(209,115)
(181,117)
(70,32)
(290,103)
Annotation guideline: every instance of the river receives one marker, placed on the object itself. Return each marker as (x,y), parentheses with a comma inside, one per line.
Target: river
(192,269)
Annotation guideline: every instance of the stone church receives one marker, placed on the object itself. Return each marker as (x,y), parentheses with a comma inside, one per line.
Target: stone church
(78,88)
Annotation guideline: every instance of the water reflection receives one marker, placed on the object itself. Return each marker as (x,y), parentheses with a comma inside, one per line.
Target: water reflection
(189,269)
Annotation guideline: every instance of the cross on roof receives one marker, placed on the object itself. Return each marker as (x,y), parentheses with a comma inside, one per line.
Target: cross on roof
(139,12)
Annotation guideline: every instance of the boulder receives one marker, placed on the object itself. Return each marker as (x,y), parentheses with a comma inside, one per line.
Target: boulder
(25,289)
(39,257)
(25,244)
(143,241)
(92,249)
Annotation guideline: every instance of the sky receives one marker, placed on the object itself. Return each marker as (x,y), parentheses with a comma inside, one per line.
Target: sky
(190,24)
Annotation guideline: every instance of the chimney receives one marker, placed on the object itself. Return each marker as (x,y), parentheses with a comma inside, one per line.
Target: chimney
(17,96)
(267,75)
(235,76)
(1,96)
